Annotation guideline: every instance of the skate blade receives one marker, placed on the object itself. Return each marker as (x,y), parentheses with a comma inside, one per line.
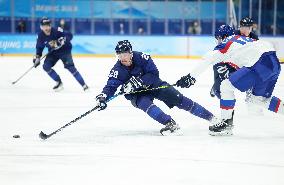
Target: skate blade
(223,133)
(58,89)
(87,90)
(175,133)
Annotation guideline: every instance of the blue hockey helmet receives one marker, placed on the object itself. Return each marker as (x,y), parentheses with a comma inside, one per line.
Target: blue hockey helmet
(224,31)
(123,47)
(45,21)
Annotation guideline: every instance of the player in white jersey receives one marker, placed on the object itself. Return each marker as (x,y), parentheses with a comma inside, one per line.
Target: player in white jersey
(258,69)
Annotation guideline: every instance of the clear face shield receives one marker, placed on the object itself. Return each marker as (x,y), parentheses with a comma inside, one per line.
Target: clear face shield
(125,58)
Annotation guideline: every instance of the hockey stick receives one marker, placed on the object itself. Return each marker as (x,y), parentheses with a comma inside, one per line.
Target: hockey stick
(44,136)
(30,68)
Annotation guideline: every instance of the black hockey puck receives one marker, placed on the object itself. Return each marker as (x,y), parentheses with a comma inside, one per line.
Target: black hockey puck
(16,136)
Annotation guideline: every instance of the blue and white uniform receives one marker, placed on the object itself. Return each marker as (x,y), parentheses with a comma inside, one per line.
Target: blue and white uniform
(258,69)
(223,70)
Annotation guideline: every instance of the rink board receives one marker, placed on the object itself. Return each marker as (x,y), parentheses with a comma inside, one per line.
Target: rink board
(174,47)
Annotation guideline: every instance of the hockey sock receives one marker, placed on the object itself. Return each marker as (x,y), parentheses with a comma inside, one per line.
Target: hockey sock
(276,105)
(195,109)
(227,108)
(152,110)
(54,75)
(76,75)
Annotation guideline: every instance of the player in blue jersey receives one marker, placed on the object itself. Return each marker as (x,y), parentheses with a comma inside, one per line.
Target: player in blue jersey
(135,71)
(59,45)
(258,70)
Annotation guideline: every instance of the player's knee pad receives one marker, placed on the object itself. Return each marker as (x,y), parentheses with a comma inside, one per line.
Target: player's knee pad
(46,68)
(170,96)
(227,90)
(186,104)
(142,102)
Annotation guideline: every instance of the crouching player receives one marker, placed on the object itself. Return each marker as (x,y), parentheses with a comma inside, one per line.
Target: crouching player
(135,71)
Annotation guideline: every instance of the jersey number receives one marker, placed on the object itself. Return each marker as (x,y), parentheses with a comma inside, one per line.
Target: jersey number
(113,74)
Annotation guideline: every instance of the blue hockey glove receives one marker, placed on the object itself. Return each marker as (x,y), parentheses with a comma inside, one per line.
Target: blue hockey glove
(132,85)
(101,101)
(186,81)
(36,61)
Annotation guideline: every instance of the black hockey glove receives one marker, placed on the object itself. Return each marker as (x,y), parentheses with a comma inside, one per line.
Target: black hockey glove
(36,61)
(186,81)
(101,101)
(132,85)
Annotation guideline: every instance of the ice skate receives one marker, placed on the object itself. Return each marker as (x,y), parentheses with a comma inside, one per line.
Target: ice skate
(86,88)
(58,87)
(222,128)
(170,128)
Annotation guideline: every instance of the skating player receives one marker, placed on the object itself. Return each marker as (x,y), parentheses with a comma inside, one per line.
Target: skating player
(258,69)
(59,45)
(135,71)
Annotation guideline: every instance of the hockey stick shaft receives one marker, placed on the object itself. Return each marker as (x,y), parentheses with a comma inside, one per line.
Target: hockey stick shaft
(45,136)
(30,69)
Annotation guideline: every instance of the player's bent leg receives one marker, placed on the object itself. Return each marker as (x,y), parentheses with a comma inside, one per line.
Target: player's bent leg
(172,97)
(69,65)
(227,104)
(47,68)
(227,101)
(146,104)
(195,109)
(72,69)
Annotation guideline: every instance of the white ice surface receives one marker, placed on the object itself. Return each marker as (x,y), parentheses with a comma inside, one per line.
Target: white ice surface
(122,145)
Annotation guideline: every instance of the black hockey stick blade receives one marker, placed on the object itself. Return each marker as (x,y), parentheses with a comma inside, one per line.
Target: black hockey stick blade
(43,136)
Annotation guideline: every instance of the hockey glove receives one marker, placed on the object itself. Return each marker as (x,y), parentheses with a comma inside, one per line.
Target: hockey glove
(132,85)
(36,61)
(60,42)
(186,81)
(101,101)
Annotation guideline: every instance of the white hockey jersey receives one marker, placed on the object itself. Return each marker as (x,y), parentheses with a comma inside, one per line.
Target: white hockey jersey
(238,50)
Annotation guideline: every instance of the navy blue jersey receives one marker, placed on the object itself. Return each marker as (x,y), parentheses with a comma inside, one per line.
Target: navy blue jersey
(142,66)
(43,41)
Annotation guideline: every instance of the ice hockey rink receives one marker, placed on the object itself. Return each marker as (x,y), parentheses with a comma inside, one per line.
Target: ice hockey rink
(122,145)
